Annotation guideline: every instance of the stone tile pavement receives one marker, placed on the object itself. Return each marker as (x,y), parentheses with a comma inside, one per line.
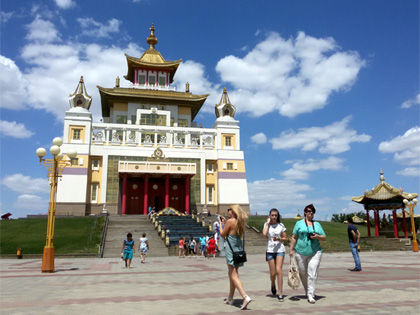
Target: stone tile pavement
(388,284)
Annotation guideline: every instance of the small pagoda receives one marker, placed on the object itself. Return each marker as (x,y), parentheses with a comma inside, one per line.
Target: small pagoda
(384,197)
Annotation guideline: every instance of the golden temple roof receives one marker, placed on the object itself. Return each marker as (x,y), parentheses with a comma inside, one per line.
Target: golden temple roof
(195,101)
(151,59)
(383,192)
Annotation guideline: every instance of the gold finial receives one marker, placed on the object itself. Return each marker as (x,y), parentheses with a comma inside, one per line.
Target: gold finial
(187,87)
(117,82)
(224,90)
(152,40)
(382,177)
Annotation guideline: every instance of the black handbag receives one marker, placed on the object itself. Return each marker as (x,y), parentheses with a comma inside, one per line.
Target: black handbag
(238,257)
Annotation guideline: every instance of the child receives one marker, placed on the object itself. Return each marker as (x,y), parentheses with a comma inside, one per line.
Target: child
(143,247)
(128,250)
(181,247)
(192,246)
(211,247)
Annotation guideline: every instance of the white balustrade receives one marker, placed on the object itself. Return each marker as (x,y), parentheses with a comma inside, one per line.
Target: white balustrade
(153,136)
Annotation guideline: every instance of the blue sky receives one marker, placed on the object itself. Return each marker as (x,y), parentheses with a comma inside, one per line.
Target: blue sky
(327,92)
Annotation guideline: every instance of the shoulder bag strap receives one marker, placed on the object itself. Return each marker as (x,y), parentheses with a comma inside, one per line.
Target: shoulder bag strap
(227,239)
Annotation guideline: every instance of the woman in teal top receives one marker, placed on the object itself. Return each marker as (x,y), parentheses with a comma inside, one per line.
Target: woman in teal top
(233,229)
(305,240)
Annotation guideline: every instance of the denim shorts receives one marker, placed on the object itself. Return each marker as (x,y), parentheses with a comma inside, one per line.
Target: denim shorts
(271,256)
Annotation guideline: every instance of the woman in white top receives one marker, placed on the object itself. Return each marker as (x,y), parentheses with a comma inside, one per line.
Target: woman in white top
(275,231)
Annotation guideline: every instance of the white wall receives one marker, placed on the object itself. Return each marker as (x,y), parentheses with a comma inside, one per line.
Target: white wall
(232,191)
(72,188)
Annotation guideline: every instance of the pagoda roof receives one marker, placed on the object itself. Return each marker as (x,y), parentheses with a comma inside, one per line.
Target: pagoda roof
(384,196)
(110,95)
(151,59)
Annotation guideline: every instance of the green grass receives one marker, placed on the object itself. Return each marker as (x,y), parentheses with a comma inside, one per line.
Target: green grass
(337,239)
(72,235)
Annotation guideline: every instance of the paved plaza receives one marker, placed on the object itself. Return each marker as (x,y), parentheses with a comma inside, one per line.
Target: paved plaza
(388,284)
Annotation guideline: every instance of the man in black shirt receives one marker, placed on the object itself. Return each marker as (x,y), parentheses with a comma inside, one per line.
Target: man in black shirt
(354,238)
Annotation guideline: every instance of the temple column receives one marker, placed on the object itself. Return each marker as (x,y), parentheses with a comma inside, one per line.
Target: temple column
(394,218)
(404,224)
(368,222)
(166,191)
(376,213)
(187,195)
(124,194)
(146,193)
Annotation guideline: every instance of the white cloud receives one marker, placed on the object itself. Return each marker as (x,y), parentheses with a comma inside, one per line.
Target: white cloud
(259,138)
(194,73)
(54,69)
(14,130)
(65,4)
(42,31)
(406,148)
(331,139)
(411,102)
(300,170)
(5,16)
(30,202)
(410,172)
(291,76)
(12,85)
(90,27)
(281,194)
(19,183)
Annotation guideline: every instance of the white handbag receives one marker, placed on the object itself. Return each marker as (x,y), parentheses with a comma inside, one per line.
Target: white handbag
(293,279)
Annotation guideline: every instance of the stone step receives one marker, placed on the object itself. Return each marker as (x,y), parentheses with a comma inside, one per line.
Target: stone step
(118,228)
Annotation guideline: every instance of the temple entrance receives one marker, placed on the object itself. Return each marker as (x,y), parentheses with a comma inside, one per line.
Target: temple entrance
(161,191)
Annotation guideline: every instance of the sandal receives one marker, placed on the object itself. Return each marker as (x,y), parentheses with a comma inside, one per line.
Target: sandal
(246,302)
(228,301)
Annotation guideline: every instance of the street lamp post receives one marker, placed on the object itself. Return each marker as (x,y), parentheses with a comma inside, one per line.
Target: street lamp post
(55,168)
(411,203)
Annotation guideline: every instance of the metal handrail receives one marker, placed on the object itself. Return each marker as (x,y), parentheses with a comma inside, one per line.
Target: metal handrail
(102,247)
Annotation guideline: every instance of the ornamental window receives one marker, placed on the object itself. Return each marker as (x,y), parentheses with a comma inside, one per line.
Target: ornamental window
(142,79)
(76,134)
(152,79)
(94,192)
(228,141)
(162,81)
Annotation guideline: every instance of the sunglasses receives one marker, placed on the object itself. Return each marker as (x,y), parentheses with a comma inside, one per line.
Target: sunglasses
(308,211)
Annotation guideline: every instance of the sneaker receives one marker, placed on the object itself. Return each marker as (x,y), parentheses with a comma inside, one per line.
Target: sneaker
(311,299)
(273,289)
(246,302)
(280,298)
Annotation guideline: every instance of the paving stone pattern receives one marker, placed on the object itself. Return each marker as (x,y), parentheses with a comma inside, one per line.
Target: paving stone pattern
(388,284)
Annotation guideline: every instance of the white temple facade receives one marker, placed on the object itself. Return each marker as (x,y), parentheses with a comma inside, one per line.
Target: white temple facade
(147,151)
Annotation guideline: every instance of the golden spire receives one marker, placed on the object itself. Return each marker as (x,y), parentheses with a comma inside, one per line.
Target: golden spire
(152,40)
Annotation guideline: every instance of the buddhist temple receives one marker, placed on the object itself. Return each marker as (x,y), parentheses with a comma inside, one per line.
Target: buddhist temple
(147,151)
(384,197)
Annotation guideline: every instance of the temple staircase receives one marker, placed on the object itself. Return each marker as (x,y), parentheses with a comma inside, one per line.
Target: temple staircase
(119,226)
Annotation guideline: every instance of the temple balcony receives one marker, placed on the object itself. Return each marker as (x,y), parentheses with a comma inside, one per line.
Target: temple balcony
(152,87)
(153,136)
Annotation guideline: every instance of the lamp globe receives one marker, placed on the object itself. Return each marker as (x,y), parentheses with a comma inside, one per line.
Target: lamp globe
(55,149)
(57,141)
(41,152)
(72,153)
